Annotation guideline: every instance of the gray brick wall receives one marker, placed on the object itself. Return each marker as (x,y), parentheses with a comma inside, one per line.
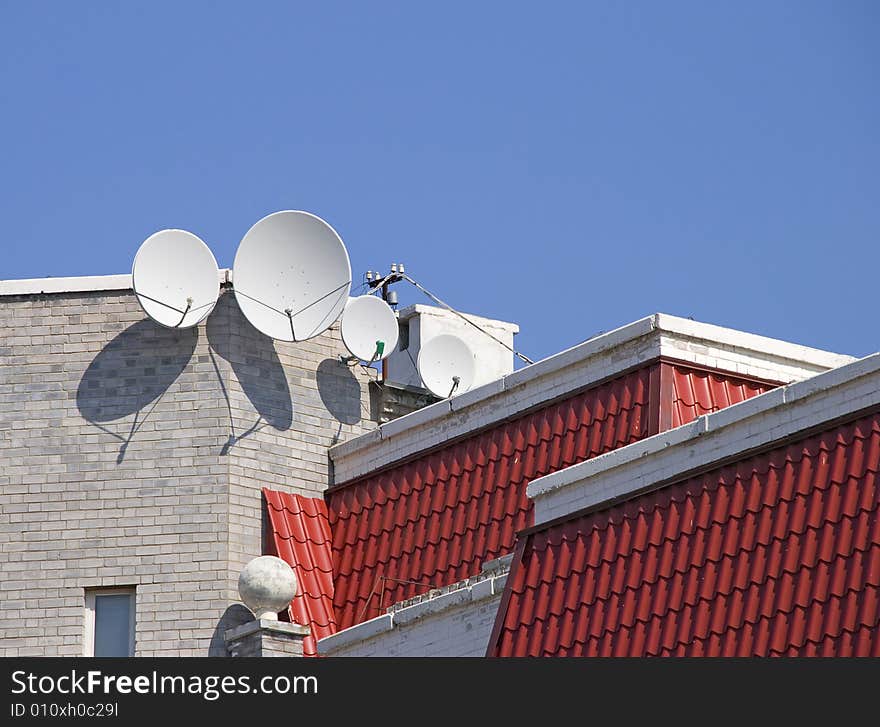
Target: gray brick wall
(131,454)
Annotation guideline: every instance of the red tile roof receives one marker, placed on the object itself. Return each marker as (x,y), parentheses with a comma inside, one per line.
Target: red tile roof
(434,520)
(778,553)
(695,392)
(301,537)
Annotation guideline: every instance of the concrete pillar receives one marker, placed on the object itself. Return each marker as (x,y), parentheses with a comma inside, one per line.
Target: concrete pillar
(265,637)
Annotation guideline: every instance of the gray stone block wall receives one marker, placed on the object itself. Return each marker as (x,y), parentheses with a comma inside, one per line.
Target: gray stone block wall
(131,454)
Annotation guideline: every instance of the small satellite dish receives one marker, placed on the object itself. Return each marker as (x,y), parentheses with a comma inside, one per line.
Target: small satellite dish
(291,275)
(175,278)
(446,365)
(369,328)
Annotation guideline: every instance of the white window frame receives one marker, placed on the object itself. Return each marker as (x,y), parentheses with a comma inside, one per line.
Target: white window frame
(89,630)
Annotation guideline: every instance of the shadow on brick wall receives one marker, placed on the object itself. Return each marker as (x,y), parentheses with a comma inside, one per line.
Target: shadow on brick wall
(130,375)
(339,390)
(236,615)
(256,366)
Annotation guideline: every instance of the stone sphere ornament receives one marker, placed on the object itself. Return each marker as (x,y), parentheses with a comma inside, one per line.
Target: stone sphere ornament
(266,586)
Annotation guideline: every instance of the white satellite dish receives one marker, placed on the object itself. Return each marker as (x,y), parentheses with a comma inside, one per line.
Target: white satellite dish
(369,328)
(291,275)
(446,365)
(175,278)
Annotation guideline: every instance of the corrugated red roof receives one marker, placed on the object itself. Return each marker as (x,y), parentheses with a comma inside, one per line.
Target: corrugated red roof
(776,554)
(695,392)
(301,537)
(435,520)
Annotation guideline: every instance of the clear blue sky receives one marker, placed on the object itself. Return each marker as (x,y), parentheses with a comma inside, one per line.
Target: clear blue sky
(568,166)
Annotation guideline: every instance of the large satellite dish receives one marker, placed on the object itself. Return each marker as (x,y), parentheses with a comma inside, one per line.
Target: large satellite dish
(446,365)
(175,278)
(369,328)
(291,275)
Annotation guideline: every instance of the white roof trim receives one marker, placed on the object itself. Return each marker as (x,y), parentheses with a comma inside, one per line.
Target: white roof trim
(762,345)
(599,358)
(430,310)
(455,596)
(711,438)
(83,284)
(37,286)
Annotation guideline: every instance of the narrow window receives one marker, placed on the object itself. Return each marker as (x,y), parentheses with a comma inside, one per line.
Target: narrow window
(110,622)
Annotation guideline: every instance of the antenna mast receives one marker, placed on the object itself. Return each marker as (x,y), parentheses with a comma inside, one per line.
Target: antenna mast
(398,273)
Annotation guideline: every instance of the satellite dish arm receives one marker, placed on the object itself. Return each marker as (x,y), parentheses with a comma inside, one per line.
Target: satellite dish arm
(189,303)
(289,313)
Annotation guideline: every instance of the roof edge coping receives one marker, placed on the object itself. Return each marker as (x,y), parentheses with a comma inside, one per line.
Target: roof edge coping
(624,348)
(418,309)
(81,284)
(488,584)
(785,411)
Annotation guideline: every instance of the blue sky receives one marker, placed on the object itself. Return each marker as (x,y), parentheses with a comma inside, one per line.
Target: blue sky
(568,166)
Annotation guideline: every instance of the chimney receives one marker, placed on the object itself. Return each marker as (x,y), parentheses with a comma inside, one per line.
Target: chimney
(418,325)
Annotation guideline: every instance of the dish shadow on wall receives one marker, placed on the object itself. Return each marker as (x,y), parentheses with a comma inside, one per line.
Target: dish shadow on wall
(256,366)
(131,374)
(340,393)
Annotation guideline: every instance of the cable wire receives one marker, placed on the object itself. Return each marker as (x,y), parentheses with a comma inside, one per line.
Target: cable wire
(464,318)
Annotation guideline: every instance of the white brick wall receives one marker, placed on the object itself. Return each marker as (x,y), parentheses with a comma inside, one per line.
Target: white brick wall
(103,484)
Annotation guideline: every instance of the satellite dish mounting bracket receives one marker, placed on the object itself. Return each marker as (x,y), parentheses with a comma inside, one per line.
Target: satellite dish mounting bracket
(189,303)
(289,313)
